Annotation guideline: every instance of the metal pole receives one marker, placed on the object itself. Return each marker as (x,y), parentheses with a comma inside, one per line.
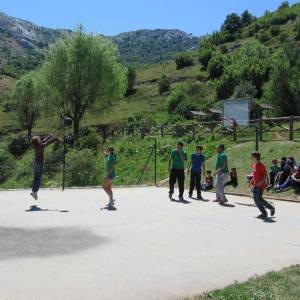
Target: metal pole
(257,135)
(64,158)
(155,162)
(145,167)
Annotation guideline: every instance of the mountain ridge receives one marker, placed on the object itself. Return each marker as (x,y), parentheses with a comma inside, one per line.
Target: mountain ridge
(23,44)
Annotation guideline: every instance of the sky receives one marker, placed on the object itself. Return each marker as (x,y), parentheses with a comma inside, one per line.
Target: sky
(111,17)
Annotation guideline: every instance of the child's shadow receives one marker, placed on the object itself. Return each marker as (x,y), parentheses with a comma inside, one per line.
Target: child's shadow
(111,208)
(270,220)
(227,205)
(203,200)
(35,208)
(180,201)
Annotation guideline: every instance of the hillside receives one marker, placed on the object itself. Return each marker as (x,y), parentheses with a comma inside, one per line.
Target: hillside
(23,44)
(153,46)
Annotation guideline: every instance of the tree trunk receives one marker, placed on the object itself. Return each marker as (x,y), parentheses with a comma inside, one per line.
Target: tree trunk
(76,128)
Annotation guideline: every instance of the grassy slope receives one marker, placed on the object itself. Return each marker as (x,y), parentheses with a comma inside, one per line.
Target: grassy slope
(283,285)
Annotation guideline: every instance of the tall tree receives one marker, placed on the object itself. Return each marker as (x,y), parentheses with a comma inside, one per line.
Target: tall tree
(246,18)
(285,86)
(82,70)
(27,95)
(232,23)
(131,77)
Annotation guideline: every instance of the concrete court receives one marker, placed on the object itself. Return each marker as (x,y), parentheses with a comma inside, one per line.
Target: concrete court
(150,248)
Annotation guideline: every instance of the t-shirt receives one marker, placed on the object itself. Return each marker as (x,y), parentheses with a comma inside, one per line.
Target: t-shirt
(39,153)
(110,163)
(197,162)
(259,172)
(177,162)
(274,169)
(219,162)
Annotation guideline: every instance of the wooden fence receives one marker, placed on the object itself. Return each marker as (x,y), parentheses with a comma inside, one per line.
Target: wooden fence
(284,128)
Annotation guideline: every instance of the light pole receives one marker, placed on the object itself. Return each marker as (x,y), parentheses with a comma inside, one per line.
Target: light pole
(67,122)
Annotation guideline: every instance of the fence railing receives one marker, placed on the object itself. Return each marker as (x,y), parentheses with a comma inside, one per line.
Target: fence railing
(283,128)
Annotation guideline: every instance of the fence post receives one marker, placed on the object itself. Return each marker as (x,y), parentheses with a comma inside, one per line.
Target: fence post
(260,124)
(234,135)
(155,162)
(162,130)
(291,128)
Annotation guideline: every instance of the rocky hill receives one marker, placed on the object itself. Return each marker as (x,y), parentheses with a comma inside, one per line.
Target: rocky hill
(23,44)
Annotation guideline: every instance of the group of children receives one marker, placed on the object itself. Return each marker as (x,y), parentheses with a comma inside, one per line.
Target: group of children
(284,175)
(279,176)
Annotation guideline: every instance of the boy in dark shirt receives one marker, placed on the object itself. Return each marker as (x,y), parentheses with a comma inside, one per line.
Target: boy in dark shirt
(195,168)
(39,146)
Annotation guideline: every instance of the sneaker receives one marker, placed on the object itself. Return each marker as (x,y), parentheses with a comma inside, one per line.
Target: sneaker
(111,202)
(199,197)
(221,202)
(34,195)
(272,211)
(216,200)
(262,216)
(181,198)
(170,196)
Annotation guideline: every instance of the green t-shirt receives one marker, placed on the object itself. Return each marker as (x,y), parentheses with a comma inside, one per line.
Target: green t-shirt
(110,163)
(219,162)
(177,162)
(275,169)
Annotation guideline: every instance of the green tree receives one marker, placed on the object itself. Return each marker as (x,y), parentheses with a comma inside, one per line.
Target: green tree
(81,70)
(164,85)
(297,29)
(206,49)
(216,65)
(232,24)
(246,18)
(28,104)
(131,77)
(283,5)
(285,86)
(183,60)
(244,89)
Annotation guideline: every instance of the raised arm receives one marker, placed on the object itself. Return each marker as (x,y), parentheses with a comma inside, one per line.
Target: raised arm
(49,141)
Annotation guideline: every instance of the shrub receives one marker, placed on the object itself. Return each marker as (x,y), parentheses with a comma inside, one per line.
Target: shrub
(89,138)
(244,89)
(263,37)
(81,168)
(283,37)
(216,65)
(177,97)
(297,29)
(164,85)
(19,145)
(7,163)
(275,30)
(183,60)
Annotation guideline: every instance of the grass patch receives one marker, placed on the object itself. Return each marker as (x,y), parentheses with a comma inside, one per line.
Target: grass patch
(283,285)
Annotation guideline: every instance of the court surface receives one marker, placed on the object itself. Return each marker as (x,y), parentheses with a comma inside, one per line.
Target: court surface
(149,248)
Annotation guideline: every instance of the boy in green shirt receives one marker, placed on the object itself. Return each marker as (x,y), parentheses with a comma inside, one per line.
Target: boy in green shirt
(221,174)
(176,170)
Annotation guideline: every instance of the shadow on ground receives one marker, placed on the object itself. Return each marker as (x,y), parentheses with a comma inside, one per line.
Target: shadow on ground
(20,242)
(36,208)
